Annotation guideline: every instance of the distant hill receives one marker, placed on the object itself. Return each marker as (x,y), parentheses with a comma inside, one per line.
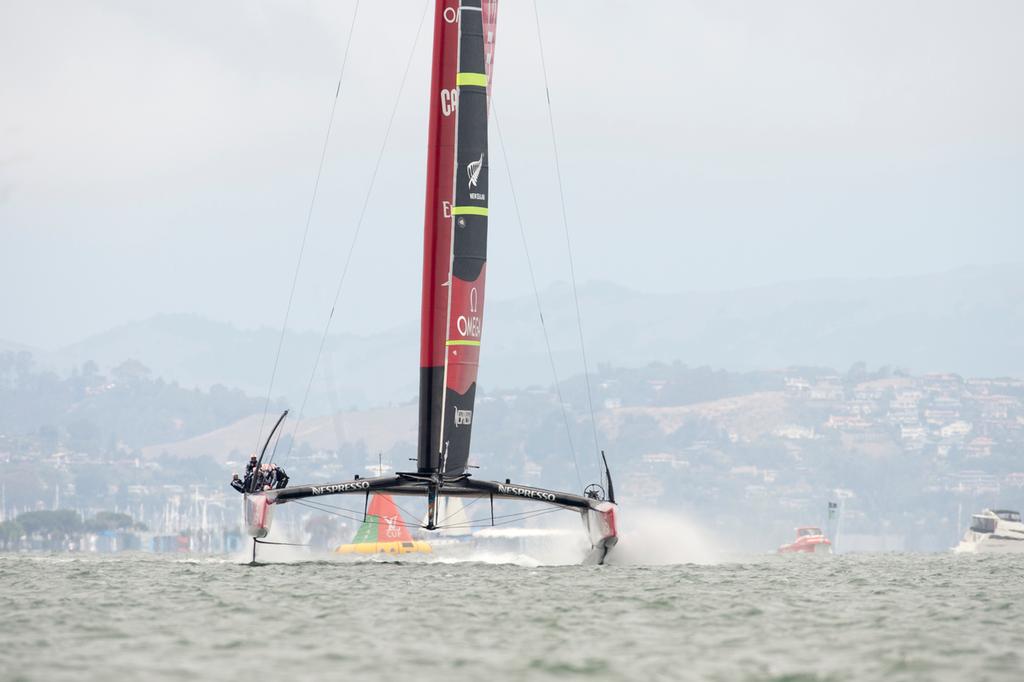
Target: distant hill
(379,429)
(11,346)
(198,352)
(106,412)
(969,321)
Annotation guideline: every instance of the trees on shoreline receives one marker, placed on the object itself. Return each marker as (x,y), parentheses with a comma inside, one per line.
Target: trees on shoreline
(56,530)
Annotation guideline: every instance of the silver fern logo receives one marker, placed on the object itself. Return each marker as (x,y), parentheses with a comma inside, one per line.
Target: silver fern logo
(473,169)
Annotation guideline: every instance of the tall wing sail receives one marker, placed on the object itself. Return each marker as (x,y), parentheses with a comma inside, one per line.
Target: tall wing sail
(455,231)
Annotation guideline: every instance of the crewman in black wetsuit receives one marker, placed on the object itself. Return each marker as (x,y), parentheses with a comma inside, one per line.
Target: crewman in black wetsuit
(280,477)
(265,477)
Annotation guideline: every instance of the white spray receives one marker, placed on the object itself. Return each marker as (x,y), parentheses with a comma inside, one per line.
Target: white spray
(656,537)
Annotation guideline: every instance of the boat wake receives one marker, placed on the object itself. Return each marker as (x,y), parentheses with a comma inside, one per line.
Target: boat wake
(299,555)
(648,537)
(537,548)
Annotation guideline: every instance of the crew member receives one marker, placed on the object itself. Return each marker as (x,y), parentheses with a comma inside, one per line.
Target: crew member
(272,476)
(250,474)
(237,483)
(281,478)
(277,478)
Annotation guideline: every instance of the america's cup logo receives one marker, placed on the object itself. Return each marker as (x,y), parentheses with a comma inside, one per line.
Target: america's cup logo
(473,169)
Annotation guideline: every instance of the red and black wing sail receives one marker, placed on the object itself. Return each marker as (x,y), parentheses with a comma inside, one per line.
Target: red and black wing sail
(455,231)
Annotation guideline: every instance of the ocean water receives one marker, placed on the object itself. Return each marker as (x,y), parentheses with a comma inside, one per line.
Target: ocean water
(848,617)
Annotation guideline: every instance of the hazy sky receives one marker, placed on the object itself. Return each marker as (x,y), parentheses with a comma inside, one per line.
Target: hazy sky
(159,156)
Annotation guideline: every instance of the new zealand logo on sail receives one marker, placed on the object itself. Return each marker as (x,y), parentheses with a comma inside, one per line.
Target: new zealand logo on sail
(473,169)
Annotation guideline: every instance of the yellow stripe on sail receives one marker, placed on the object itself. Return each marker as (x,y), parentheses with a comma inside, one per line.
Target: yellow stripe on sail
(461,342)
(469,210)
(467,78)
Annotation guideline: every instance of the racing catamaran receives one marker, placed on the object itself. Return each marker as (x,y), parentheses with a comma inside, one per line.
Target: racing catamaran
(454,270)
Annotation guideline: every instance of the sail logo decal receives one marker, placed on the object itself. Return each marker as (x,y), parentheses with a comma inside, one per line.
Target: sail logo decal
(526,492)
(340,488)
(463,417)
(473,169)
(469,326)
(392,529)
(449,101)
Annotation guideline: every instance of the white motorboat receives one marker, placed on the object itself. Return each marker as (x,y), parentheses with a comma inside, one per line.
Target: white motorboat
(994,530)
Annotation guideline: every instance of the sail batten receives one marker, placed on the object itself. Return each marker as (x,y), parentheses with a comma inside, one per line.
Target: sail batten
(455,232)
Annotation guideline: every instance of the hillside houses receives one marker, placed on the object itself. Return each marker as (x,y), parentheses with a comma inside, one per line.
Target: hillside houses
(940,414)
(772,446)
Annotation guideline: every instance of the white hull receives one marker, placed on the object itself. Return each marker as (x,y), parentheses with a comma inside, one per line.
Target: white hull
(993,532)
(985,543)
(259,513)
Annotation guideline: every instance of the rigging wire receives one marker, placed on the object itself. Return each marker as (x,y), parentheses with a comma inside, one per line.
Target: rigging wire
(329,506)
(524,516)
(335,512)
(536,294)
(324,506)
(309,218)
(357,516)
(403,509)
(359,224)
(568,241)
(277,442)
(454,513)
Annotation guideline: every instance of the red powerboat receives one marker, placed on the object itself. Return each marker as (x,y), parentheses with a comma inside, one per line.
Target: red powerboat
(809,539)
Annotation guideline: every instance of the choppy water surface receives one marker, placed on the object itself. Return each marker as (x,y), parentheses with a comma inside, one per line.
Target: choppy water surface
(893,617)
